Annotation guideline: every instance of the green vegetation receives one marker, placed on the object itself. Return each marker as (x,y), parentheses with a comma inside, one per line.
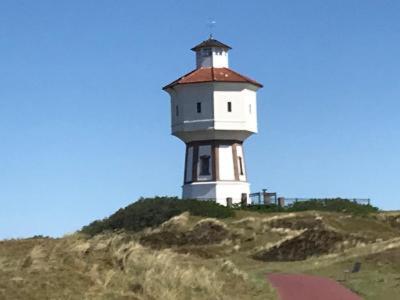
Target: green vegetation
(331,205)
(151,212)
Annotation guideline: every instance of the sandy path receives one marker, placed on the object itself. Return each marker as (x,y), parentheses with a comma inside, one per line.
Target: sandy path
(307,287)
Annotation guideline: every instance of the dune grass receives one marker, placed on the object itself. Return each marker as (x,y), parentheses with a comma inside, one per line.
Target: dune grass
(192,257)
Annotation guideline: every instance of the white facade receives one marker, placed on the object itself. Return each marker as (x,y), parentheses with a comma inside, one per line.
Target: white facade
(213,114)
(216,191)
(214,121)
(212,57)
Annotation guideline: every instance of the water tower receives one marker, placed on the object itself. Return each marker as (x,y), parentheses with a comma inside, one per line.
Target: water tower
(213,111)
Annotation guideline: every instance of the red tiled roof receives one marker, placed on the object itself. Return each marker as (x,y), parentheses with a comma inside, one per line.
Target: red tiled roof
(212,75)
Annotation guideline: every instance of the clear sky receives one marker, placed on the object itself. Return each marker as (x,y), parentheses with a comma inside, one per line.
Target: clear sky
(84,124)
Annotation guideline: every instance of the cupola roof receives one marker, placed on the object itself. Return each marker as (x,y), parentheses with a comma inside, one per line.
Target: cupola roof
(210,43)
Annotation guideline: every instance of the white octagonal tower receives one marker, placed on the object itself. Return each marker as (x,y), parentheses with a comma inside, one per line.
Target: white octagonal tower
(213,110)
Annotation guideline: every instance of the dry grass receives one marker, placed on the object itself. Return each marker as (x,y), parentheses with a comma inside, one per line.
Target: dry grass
(111,267)
(194,258)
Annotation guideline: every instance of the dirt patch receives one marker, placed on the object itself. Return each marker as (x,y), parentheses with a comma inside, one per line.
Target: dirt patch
(310,243)
(394,221)
(298,223)
(205,232)
(387,257)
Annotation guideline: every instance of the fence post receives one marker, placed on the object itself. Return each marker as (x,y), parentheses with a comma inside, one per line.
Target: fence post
(244,200)
(266,198)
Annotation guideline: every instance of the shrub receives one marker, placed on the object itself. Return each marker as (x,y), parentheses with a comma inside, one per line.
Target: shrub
(332,205)
(335,205)
(151,212)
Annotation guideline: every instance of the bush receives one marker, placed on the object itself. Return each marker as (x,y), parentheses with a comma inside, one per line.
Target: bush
(335,205)
(332,205)
(151,212)
(264,208)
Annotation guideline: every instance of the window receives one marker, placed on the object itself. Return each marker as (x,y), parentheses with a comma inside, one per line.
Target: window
(205,165)
(198,107)
(249,108)
(229,106)
(177,110)
(240,165)
(206,52)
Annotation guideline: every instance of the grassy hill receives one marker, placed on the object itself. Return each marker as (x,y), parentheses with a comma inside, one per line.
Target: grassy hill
(191,250)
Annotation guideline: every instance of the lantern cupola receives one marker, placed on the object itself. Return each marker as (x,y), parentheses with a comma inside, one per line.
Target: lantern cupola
(211,53)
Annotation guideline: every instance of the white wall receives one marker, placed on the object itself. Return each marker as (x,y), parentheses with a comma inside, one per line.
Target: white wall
(233,190)
(240,96)
(217,191)
(214,122)
(225,157)
(217,59)
(239,151)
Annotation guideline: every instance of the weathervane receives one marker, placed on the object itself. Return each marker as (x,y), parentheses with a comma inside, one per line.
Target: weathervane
(211,25)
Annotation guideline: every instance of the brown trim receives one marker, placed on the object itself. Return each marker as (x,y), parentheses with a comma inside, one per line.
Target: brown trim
(186,161)
(235,162)
(226,180)
(211,142)
(244,164)
(215,151)
(195,161)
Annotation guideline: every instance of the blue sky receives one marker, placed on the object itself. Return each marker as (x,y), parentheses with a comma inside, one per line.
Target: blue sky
(84,124)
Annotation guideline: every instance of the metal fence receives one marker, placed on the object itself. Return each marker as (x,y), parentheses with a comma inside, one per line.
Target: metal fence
(264,198)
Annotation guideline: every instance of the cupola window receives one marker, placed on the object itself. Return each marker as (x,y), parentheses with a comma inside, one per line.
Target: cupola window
(198,107)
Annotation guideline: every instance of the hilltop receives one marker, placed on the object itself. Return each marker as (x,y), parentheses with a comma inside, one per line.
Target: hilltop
(192,250)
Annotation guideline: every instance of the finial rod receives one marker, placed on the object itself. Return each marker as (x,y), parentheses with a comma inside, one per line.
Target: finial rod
(211,25)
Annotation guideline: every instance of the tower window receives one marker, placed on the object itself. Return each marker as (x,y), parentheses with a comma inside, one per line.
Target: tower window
(205,165)
(240,165)
(229,106)
(198,107)
(206,52)
(177,110)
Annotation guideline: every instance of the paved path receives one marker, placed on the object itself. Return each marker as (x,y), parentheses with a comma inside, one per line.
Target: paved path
(307,287)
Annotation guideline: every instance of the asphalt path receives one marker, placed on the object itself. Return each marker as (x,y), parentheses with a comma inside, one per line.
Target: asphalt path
(307,287)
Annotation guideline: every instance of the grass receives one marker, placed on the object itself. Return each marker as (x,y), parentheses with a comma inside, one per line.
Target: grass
(194,257)
(113,266)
